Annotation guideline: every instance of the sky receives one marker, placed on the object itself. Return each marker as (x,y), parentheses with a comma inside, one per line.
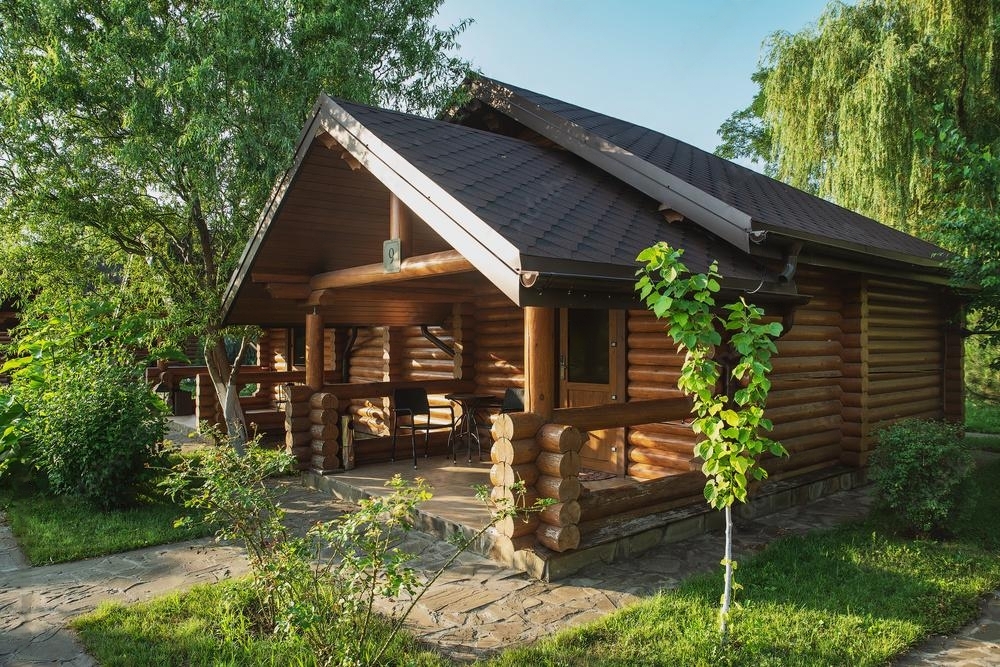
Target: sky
(677,66)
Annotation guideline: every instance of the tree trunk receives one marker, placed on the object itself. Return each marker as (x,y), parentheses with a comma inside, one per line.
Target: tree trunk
(727,592)
(227,393)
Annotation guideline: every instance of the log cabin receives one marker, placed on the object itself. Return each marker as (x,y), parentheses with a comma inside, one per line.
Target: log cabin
(494,248)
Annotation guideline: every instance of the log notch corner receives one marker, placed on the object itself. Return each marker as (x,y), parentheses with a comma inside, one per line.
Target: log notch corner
(546,457)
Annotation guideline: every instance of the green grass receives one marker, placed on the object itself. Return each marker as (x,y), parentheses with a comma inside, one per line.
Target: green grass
(982,417)
(856,595)
(199,627)
(56,529)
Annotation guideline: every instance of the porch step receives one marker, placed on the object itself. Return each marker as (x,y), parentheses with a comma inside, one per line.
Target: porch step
(633,535)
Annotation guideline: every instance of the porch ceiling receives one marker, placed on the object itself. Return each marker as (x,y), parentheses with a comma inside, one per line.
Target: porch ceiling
(333,218)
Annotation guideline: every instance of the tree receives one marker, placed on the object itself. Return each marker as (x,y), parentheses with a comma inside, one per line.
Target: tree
(139,140)
(892,108)
(838,102)
(729,422)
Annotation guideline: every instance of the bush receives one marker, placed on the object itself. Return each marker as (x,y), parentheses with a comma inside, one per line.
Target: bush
(94,426)
(921,472)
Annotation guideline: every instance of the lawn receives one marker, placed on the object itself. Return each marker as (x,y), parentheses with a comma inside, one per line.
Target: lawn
(982,417)
(857,595)
(56,529)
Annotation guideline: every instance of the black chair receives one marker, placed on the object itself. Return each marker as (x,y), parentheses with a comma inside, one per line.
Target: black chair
(411,410)
(513,400)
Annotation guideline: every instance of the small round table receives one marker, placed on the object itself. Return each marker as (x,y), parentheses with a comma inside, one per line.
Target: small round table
(467,427)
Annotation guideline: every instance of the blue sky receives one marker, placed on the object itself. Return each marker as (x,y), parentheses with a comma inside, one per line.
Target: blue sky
(677,66)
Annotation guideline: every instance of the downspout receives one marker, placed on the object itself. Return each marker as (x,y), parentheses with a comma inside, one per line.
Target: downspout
(345,366)
(787,275)
(437,342)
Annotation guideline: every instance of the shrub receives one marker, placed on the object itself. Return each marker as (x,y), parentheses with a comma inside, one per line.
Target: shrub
(921,472)
(94,426)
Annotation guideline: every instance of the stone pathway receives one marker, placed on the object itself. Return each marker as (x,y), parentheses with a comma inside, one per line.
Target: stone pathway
(476,608)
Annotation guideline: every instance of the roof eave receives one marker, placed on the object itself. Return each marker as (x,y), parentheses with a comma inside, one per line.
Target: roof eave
(709,212)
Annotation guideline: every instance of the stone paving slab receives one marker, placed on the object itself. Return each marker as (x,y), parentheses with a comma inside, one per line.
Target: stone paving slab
(476,608)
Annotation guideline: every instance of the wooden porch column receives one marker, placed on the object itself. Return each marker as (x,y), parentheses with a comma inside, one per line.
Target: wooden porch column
(539,360)
(401,226)
(314,351)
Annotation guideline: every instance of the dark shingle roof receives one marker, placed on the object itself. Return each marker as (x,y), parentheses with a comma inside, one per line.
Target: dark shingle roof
(768,201)
(548,203)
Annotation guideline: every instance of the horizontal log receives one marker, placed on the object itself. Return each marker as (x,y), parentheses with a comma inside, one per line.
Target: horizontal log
(785,397)
(302,453)
(518,526)
(639,357)
(302,439)
(907,359)
(662,442)
(561,514)
(810,411)
(801,443)
(821,318)
(510,326)
(875,322)
(300,409)
(327,447)
(810,457)
(323,400)
(297,393)
(652,392)
(297,423)
(915,409)
(816,332)
(324,416)
(899,334)
(562,489)
(324,463)
(650,472)
(559,438)
(525,472)
(517,425)
(384,389)
(878,399)
(502,474)
(650,375)
(558,539)
(614,415)
(506,314)
(781,365)
(558,465)
(440,263)
(620,499)
(801,427)
(325,432)
(663,459)
(809,348)
(524,450)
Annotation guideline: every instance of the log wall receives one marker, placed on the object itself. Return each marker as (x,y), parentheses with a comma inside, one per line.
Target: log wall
(499,350)
(660,449)
(805,398)
(369,362)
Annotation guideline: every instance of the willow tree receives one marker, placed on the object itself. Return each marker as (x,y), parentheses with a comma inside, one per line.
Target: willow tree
(838,103)
(149,134)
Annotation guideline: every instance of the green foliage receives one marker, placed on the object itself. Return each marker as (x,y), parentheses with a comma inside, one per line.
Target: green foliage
(838,102)
(921,472)
(139,141)
(78,408)
(982,416)
(730,427)
(322,587)
(94,427)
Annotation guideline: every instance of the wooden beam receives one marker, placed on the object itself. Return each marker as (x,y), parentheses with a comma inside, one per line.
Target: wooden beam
(433,264)
(539,360)
(289,278)
(328,297)
(314,351)
(293,291)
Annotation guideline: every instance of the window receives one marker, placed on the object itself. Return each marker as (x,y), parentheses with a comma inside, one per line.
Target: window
(588,354)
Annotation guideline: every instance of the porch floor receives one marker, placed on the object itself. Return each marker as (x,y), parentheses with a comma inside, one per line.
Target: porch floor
(454,505)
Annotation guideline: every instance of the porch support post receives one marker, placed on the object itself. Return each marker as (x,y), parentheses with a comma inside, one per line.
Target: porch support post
(314,351)
(401,226)
(539,360)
